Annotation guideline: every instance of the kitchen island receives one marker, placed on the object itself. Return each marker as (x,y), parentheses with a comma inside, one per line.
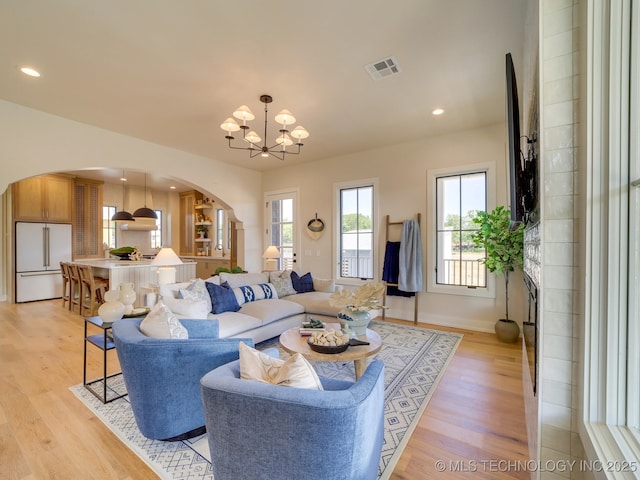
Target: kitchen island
(141,273)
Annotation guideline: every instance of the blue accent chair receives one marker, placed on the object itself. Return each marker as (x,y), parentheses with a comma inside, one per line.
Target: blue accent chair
(262,431)
(162,376)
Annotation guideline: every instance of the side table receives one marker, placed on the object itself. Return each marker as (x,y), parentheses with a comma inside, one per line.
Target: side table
(104,342)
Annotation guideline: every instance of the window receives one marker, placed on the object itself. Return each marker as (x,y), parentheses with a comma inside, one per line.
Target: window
(108,226)
(156,235)
(219,228)
(356,232)
(458,198)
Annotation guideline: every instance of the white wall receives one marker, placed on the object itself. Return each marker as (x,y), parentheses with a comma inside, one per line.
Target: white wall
(401,171)
(33,143)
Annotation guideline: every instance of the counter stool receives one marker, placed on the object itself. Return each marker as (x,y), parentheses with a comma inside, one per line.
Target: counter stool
(66,285)
(92,290)
(75,292)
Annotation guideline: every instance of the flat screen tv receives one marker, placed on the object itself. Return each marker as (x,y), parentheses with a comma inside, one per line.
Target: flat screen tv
(516,167)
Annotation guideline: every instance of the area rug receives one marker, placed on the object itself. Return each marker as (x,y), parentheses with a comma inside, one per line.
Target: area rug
(415,360)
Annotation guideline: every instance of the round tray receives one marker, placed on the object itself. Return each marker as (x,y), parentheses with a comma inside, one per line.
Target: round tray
(327,349)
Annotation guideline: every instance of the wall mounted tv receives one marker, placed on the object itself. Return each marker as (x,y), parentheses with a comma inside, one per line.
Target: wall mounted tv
(516,167)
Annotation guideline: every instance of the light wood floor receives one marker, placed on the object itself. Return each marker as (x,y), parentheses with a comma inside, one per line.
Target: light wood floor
(476,413)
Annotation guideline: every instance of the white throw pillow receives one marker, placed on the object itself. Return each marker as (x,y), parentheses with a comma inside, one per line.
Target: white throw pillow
(161,323)
(324,285)
(172,289)
(194,309)
(197,291)
(239,279)
(295,372)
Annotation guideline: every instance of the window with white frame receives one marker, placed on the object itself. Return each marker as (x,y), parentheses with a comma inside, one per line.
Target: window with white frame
(108,226)
(458,199)
(281,228)
(219,228)
(454,195)
(156,235)
(356,229)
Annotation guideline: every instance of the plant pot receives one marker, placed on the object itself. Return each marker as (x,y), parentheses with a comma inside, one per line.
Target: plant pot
(355,322)
(507,331)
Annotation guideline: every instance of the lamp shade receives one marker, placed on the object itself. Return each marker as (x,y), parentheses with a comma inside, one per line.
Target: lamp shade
(271,252)
(299,132)
(252,137)
(244,113)
(122,215)
(145,212)
(285,117)
(166,256)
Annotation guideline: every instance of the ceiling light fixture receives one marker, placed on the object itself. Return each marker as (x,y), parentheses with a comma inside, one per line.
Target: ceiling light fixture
(438,111)
(122,215)
(283,140)
(144,212)
(30,71)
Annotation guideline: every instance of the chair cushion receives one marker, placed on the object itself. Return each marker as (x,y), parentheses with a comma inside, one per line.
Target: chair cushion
(160,322)
(302,283)
(295,372)
(222,297)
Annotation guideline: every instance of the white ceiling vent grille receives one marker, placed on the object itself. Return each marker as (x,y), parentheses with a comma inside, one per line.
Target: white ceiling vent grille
(383,68)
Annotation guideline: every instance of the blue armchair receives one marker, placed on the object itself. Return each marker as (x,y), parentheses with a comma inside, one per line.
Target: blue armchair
(162,376)
(262,431)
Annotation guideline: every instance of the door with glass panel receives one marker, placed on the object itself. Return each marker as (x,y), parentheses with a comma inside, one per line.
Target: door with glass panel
(281,228)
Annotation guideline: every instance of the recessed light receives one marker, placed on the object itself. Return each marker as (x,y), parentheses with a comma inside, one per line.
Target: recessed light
(438,111)
(123,179)
(172,187)
(30,71)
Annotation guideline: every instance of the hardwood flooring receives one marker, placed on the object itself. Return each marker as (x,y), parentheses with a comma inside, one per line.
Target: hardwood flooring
(476,414)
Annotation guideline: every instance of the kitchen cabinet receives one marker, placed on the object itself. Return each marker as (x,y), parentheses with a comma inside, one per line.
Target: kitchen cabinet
(87,219)
(206,268)
(45,198)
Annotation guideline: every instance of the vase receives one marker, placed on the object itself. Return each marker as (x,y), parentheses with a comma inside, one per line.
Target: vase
(354,321)
(112,309)
(507,331)
(127,296)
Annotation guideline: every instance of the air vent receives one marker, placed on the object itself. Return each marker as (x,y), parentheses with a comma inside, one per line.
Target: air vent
(383,68)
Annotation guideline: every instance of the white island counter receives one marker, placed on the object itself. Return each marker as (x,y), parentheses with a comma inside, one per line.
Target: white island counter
(141,273)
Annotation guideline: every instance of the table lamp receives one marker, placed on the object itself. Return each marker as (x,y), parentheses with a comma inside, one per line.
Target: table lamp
(272,254)
(165,258)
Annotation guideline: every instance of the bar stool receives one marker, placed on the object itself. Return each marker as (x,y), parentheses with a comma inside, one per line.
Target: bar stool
(93,289)
(66,285)
(75,292)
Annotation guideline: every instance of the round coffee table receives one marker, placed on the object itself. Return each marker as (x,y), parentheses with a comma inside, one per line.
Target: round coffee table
(292,342)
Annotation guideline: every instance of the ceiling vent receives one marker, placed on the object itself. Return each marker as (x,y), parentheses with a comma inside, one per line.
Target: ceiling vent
(383,68)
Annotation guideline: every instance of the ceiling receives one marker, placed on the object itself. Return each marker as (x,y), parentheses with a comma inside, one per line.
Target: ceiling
(171,72)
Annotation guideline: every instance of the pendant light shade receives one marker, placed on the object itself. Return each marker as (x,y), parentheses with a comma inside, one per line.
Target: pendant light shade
(123,215)
(145,212)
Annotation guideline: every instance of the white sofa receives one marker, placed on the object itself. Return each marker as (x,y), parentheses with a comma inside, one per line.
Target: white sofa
(260,320)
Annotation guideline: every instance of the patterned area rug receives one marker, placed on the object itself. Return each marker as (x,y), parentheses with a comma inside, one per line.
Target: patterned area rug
(414,358)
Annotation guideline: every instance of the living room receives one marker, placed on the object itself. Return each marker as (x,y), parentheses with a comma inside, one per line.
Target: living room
(30,135)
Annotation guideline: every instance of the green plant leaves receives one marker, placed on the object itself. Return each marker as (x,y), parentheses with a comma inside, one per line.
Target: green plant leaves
(502,242)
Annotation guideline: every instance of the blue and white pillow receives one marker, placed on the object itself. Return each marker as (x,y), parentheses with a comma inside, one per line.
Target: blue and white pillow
(197,291)
(251,293)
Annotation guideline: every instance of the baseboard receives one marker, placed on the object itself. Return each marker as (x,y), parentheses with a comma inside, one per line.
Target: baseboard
(443,320)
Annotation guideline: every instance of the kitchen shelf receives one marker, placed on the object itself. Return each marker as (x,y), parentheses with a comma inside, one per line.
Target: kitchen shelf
(204,223)
(203,239)
(202,206)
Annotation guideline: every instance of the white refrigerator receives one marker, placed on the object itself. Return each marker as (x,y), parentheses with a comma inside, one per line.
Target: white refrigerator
(40,247)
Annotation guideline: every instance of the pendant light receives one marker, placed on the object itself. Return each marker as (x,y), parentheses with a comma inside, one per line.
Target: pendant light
(123,215)
(145,212)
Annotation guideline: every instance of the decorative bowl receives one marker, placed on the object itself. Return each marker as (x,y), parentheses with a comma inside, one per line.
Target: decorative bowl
(326,348)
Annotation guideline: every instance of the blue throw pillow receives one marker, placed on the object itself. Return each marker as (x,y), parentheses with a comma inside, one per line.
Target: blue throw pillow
(222,298)
(302,284)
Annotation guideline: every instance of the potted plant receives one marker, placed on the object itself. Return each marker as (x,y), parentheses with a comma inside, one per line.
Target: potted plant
(356,305)
(503,243)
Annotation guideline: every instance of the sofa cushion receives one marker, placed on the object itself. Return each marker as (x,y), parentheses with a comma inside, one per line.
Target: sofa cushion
(160,322)
(172,289)
(294,372)
(252,293)
(239,279)
(234,323)
(222,298)
(197,291)
(302,283)
(267,311)
(281,280)
(315,302)
(324,285)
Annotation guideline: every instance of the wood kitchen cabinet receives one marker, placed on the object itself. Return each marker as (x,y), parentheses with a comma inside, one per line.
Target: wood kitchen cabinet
(206,268)
(46,198)
(87,219)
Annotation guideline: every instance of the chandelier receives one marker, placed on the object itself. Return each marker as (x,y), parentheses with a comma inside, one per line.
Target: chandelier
(283,140)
